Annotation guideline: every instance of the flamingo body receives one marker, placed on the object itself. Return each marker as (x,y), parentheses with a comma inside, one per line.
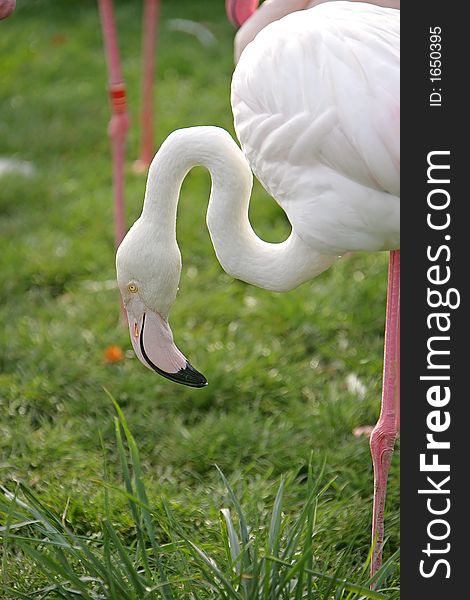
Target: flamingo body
(315,99)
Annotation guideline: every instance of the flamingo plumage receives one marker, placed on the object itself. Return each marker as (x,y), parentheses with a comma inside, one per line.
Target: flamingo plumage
(250,19)
(315,98)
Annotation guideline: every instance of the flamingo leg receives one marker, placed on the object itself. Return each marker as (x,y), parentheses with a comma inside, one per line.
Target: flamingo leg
(150,20)
(119,123)
(385,432)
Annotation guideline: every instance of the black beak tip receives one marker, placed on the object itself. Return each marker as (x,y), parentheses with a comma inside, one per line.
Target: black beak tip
(189,376)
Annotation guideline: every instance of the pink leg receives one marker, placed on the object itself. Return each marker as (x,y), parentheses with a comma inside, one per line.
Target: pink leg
(383,436)
(119,123)
(150,20)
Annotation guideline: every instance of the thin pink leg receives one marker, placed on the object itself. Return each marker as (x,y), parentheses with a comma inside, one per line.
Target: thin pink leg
(150,21)
(383,436)
(119,123)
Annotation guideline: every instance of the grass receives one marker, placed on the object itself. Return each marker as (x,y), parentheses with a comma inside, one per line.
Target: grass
(290,375)
(274,560)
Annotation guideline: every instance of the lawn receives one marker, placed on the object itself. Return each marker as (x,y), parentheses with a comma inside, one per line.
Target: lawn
(290,375)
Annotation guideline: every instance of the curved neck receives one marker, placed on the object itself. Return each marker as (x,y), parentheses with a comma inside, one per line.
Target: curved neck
(240,251)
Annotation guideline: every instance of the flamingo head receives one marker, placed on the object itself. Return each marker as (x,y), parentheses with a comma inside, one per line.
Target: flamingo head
(148,274)
(6,8)
(238,11)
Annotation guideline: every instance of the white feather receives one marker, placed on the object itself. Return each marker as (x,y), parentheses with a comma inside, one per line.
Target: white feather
(315,99)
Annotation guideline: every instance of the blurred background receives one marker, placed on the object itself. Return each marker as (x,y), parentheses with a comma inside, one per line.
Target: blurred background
(290,375)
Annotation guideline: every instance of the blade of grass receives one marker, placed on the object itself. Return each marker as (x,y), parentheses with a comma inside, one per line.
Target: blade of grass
(173,530)
(132,500)
(347,584)
(142,495)
(51,567)
(8,526)
(216,571)
(115,581)
(63,537)
(271,569)
(245,540)
(127,565)
(231,535)
(16,594)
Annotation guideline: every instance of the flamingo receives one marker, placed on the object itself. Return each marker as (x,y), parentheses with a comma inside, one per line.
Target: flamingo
(119,123)
(250,19)
(315,99)
(243,14)
(6,8)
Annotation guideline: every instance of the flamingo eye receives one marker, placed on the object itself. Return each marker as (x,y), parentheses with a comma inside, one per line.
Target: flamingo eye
(132,288)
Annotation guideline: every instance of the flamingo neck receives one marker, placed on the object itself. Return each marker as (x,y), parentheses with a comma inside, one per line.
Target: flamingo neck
(242,254)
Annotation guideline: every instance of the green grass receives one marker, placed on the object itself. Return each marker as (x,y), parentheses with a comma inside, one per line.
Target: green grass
(275,560)
(281,368)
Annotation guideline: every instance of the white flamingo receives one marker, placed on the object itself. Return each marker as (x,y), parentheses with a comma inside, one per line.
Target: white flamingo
(246,15)
(315,99)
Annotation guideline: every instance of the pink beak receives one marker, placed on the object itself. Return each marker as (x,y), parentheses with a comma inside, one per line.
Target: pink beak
(153,344)
(238,11)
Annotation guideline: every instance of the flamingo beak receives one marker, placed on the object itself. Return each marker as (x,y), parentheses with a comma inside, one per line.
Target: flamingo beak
(153,344)
(238,11)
